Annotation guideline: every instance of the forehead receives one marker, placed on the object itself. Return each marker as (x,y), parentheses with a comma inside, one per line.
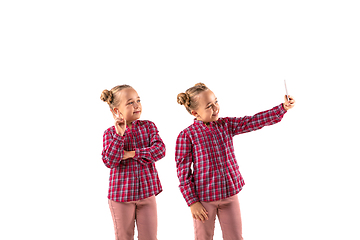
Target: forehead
(128,93)
(206,97)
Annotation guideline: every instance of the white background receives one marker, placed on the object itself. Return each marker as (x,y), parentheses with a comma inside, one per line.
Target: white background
(301,175)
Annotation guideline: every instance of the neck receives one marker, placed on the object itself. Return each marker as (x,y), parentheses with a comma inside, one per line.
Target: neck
(205,123)
(129,124)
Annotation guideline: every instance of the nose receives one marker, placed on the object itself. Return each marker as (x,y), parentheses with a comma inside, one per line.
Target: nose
(136,105)
(215,108)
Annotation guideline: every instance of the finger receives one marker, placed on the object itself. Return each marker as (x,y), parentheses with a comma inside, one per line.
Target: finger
(121,119)
(204,209)
(290,102)
(286,102)
(196,217)
(204,213)
(113,112)
(201,217)
(291,98)
(206,217)
(119,123)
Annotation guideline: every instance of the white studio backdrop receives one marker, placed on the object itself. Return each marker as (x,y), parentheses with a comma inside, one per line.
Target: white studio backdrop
(56,58)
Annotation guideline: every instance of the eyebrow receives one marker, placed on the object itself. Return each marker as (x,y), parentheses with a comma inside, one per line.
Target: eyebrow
(210,102)
(131,99)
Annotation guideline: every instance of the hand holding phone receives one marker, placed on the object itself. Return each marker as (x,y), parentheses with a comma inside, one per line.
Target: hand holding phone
(289,100)
(287,95)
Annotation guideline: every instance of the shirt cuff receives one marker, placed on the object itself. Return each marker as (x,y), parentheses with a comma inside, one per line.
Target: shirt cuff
(137,153)
(280,110)
(192,201)
(118,137)
(190,196)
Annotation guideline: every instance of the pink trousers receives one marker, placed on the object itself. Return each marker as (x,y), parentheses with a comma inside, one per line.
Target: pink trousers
(228,212)
(125,214)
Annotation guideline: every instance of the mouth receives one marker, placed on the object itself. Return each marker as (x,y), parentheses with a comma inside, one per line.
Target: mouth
(215,114)
(137,112)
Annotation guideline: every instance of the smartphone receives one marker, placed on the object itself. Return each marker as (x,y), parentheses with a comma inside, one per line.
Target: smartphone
(287,95)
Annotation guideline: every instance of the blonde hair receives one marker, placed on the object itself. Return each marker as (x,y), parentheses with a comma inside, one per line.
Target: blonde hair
(110,97)
(189,98)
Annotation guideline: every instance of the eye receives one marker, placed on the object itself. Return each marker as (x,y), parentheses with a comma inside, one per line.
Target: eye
(138,100)
(130,103)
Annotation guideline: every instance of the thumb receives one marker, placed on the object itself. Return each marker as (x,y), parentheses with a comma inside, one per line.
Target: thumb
(285,97)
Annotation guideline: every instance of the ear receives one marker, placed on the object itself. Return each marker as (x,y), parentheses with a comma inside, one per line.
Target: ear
(194,113)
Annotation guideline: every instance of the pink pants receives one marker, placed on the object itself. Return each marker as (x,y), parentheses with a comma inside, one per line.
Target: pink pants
(228,212)
(125,214)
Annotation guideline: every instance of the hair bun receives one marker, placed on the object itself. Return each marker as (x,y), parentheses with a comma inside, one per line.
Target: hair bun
(183,99)
(200,85)
(107,96)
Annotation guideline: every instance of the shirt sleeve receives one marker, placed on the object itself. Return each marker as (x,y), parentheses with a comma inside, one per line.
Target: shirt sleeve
(184,160)
(113,149)
(155,151)
(258,121)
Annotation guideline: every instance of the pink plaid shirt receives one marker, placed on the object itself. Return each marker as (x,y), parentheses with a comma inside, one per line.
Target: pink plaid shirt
(210,152)
(136,178)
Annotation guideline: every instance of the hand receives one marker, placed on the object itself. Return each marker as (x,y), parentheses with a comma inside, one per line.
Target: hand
(199,212)
(128,154)
(120,124)
(289,104)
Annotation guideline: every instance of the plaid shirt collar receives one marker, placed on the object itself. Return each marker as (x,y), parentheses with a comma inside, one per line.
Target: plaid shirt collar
(133,125)
(201,123)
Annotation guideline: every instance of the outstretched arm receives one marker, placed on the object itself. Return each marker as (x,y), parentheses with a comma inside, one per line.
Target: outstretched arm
(261,119)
